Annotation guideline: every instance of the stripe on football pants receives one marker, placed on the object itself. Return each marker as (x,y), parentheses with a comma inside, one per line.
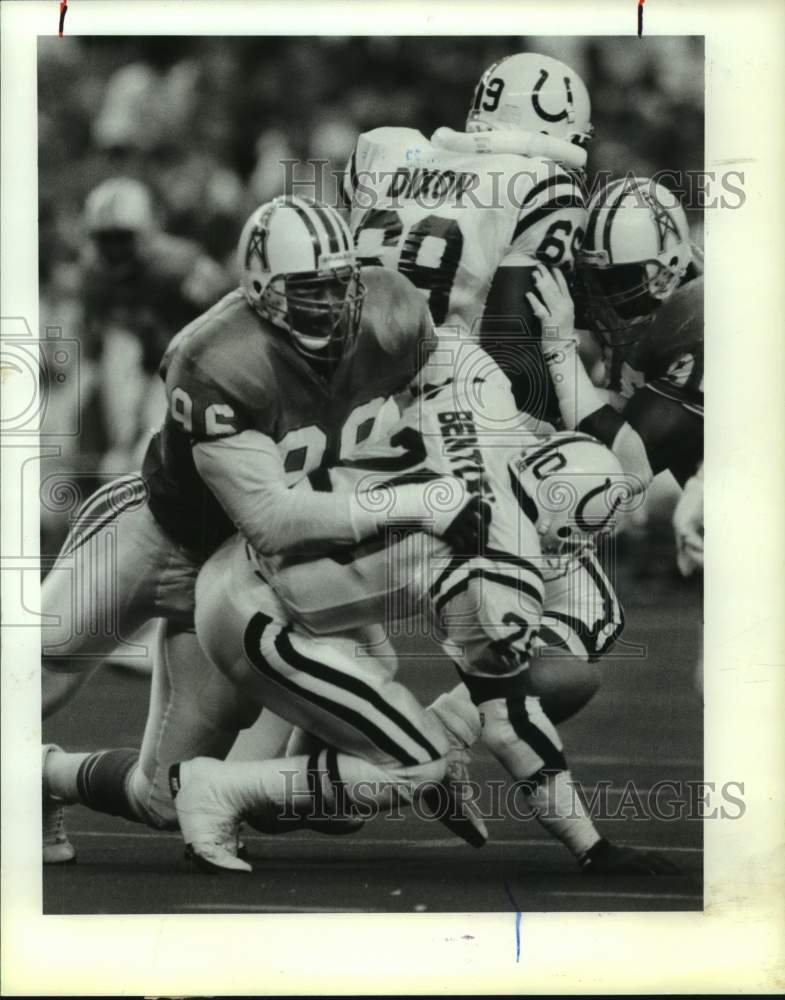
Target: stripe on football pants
(352,685)
(102,494)
(75,541)
(552,757)
(372,733)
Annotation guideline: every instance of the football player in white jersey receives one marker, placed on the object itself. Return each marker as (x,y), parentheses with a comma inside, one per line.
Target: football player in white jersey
(535,582)
(466,215)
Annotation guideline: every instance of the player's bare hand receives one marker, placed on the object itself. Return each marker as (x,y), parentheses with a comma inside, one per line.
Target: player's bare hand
(553,305)
(688,527)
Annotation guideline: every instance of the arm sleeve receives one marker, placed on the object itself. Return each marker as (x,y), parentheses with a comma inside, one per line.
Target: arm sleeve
(246,475)
(511,334)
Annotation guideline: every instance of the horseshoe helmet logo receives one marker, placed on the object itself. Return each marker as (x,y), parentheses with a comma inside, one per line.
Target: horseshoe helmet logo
(593,524)
(567,112)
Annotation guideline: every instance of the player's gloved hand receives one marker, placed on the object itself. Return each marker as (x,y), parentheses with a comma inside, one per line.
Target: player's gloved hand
(605,858)
(552,303)
(688,526)
(467,533)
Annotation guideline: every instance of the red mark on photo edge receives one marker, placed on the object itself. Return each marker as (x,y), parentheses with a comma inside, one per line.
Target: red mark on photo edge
(640,17)
(63,9)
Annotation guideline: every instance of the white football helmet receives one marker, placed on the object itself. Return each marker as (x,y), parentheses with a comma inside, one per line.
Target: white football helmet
(570,486)
(533,93)
(298,269)
(118,215)
(120,203)
(636,251)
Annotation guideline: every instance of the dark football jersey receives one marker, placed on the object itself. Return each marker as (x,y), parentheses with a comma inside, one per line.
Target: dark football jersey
(668,358)
(231,371)
(663,376)
(168,283)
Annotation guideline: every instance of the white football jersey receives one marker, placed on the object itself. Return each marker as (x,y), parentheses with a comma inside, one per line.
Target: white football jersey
(448,220)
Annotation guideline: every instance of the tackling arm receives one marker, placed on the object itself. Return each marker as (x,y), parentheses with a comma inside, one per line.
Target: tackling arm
(246,474)
(510,333)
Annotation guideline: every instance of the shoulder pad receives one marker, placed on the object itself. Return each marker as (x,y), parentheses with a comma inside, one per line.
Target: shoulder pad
(395,312)
(387,139)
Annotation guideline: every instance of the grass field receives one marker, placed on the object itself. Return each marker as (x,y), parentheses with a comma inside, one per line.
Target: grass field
(642,728)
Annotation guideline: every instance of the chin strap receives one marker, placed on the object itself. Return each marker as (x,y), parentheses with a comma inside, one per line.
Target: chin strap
(511,141)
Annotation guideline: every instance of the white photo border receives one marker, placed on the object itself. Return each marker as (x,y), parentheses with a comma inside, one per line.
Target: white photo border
(738,943)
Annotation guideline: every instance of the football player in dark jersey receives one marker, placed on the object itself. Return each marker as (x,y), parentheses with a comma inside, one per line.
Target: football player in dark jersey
(139,286)
(641,297)
(277,379)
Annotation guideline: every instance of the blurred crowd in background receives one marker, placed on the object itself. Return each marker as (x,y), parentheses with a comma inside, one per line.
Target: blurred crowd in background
(206,124)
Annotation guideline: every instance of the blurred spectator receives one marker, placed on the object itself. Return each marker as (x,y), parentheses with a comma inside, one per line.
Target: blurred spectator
(139,286)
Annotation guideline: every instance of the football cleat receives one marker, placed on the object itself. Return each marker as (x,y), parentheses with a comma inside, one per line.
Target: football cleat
(56,848)
(605,858)
(209,821)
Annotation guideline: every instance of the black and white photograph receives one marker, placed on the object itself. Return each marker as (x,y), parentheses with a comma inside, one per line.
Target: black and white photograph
(362,475)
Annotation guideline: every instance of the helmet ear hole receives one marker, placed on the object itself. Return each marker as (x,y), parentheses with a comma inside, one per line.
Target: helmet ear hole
(564,532)
(257,286)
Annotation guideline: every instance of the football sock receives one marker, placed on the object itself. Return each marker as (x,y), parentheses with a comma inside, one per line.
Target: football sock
(524,740)
(557,805)
(102,782)
(60,774)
